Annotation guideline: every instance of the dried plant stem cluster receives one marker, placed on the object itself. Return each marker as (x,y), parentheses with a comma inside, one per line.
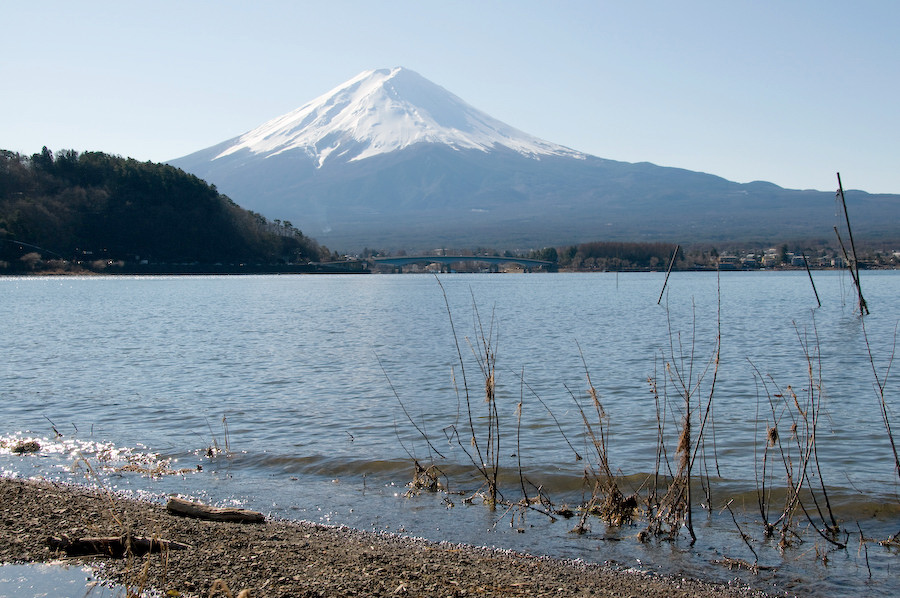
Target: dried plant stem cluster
(791,492)
(790,440)
(606,498)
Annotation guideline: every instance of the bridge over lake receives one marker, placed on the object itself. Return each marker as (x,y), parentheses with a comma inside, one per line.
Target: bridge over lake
(401,261)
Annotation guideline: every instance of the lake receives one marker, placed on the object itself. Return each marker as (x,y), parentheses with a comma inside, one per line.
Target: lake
(312,397)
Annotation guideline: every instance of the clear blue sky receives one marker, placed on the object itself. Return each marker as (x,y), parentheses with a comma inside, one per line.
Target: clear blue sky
(784,91)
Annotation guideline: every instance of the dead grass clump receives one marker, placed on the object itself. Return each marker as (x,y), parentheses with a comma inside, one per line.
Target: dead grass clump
(26,446)
(425,479)
(617,509)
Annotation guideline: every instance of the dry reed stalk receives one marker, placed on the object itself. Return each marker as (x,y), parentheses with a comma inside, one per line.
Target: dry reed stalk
(880,385)
(675,508)
(809,415)
(227,443)
(607,500)
(214,449)
(418,428)
(482,443)
(744,537)
(519,439)
(763,496)
(541,498)
(425,479)
(135,588)
(799,455)
(485,453)
(814,375)
(525,502)
(795,454)
(487,361)
(556,422)
(653,499)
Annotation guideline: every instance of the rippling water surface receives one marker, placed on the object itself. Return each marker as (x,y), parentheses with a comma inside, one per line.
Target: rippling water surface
(319,393)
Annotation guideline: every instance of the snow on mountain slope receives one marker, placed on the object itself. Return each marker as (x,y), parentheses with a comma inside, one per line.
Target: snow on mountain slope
(390,160)
(381,111)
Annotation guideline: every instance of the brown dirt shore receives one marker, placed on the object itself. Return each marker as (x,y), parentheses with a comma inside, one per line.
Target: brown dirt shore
(286,558)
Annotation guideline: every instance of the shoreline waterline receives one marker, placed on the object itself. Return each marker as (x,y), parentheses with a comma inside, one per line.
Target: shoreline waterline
(295,558)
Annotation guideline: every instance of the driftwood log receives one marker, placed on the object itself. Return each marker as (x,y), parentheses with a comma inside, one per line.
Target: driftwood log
(186,508)
(116,546)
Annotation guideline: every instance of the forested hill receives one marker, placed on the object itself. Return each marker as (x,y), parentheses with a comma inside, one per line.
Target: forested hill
(95,207)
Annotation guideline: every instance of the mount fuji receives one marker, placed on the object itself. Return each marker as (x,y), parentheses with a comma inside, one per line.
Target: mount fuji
(379,112)
(390,160)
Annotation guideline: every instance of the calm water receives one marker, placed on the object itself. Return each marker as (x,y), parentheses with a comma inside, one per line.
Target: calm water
(311,383)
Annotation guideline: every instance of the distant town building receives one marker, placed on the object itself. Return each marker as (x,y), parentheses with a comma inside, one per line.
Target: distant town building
(749,262)
(729,262)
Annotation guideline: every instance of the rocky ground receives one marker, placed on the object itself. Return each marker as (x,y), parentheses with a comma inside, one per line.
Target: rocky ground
(283,558)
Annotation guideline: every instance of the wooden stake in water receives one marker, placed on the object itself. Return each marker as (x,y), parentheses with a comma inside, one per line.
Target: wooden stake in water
(669,271)
(805,261)
(854,266)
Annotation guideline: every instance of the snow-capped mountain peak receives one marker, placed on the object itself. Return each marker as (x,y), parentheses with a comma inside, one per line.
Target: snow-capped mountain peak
(382,111)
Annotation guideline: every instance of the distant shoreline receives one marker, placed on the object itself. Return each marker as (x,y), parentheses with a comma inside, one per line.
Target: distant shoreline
(192,270)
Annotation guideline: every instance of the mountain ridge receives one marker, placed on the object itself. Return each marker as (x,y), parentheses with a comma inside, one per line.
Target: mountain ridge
(368,164)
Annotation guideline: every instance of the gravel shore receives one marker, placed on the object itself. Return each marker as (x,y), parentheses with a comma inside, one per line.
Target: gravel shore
(287,558)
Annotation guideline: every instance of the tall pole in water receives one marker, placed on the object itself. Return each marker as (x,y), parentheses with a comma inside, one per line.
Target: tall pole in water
(669,271)
(863,308)
(806,262)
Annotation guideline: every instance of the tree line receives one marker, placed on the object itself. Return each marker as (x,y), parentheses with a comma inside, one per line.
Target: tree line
(94,206)
(610,255)
(614,256)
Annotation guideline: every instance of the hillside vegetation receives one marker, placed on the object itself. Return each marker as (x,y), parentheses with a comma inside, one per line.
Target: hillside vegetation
(94,208)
